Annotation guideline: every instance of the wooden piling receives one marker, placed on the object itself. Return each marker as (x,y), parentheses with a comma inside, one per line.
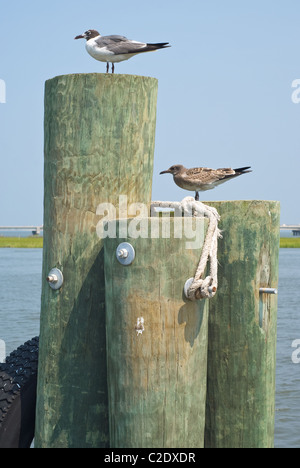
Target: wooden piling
(242,328)
(99,144)
(156,343)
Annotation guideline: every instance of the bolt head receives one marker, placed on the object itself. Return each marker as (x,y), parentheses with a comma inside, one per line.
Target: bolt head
(125,253)
(122,253)
(52,279)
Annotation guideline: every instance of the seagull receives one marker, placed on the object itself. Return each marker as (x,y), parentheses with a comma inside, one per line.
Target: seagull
(111,49)
(202,178)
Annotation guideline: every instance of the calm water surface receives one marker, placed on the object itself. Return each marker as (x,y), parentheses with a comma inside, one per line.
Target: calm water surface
(20,294)
(287,420)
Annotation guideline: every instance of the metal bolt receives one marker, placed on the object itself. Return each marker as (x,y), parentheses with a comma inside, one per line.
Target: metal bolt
(125,253)
(268,291)
(55,278)
(122,253)
(52,279)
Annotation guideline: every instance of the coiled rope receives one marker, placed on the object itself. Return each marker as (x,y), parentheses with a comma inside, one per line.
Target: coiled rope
(200,287)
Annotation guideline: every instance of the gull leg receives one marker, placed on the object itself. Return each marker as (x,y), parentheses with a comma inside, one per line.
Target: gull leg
(107,67)
(113,67)
(197,196)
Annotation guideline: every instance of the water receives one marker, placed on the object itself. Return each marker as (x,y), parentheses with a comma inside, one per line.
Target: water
(20,295)
(20,291)
(287,420)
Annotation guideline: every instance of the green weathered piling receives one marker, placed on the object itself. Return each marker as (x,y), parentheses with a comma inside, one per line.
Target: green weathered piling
(99,144)
(156,375)
(242,328)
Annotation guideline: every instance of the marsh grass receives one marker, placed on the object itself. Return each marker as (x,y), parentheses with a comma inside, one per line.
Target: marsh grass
(290,242)
(22,242)
(37,242)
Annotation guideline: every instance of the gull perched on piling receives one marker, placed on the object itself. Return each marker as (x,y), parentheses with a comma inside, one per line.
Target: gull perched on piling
(112,49)
(200,179)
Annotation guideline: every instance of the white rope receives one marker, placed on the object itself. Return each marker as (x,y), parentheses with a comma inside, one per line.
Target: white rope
(201,287)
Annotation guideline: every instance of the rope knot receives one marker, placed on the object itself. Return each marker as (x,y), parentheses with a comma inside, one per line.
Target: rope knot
(198,287)
(202,289)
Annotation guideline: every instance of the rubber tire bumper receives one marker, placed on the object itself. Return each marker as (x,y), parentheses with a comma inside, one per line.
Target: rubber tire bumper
(18,381)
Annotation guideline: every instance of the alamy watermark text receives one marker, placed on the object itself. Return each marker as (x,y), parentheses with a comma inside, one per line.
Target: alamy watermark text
(2,351)
(2,92)
(133,221)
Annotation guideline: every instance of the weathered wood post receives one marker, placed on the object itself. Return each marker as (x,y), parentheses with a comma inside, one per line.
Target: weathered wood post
(242,328)
(156,339)
(99,143)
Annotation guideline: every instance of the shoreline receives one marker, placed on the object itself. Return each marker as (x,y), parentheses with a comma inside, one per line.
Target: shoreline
(33,242)
(290,242)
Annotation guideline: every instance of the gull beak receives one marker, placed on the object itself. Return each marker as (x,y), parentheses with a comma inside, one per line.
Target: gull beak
(165,172)
(81,36)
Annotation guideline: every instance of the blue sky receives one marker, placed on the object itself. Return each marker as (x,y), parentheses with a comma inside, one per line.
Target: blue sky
(225,89)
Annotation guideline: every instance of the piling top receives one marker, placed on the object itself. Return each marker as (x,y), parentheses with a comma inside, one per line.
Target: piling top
(103,76)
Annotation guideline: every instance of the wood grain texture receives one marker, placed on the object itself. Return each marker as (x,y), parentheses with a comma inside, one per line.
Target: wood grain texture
(99,143)
(242,328)
(156,379)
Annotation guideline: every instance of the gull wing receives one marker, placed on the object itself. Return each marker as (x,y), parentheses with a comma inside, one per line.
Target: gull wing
(119,45)
(209,176)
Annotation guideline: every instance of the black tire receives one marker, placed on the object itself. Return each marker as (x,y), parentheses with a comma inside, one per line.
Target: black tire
(18,380)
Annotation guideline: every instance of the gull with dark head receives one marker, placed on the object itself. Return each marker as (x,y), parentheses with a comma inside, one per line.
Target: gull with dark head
(112,49)
(200,179)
